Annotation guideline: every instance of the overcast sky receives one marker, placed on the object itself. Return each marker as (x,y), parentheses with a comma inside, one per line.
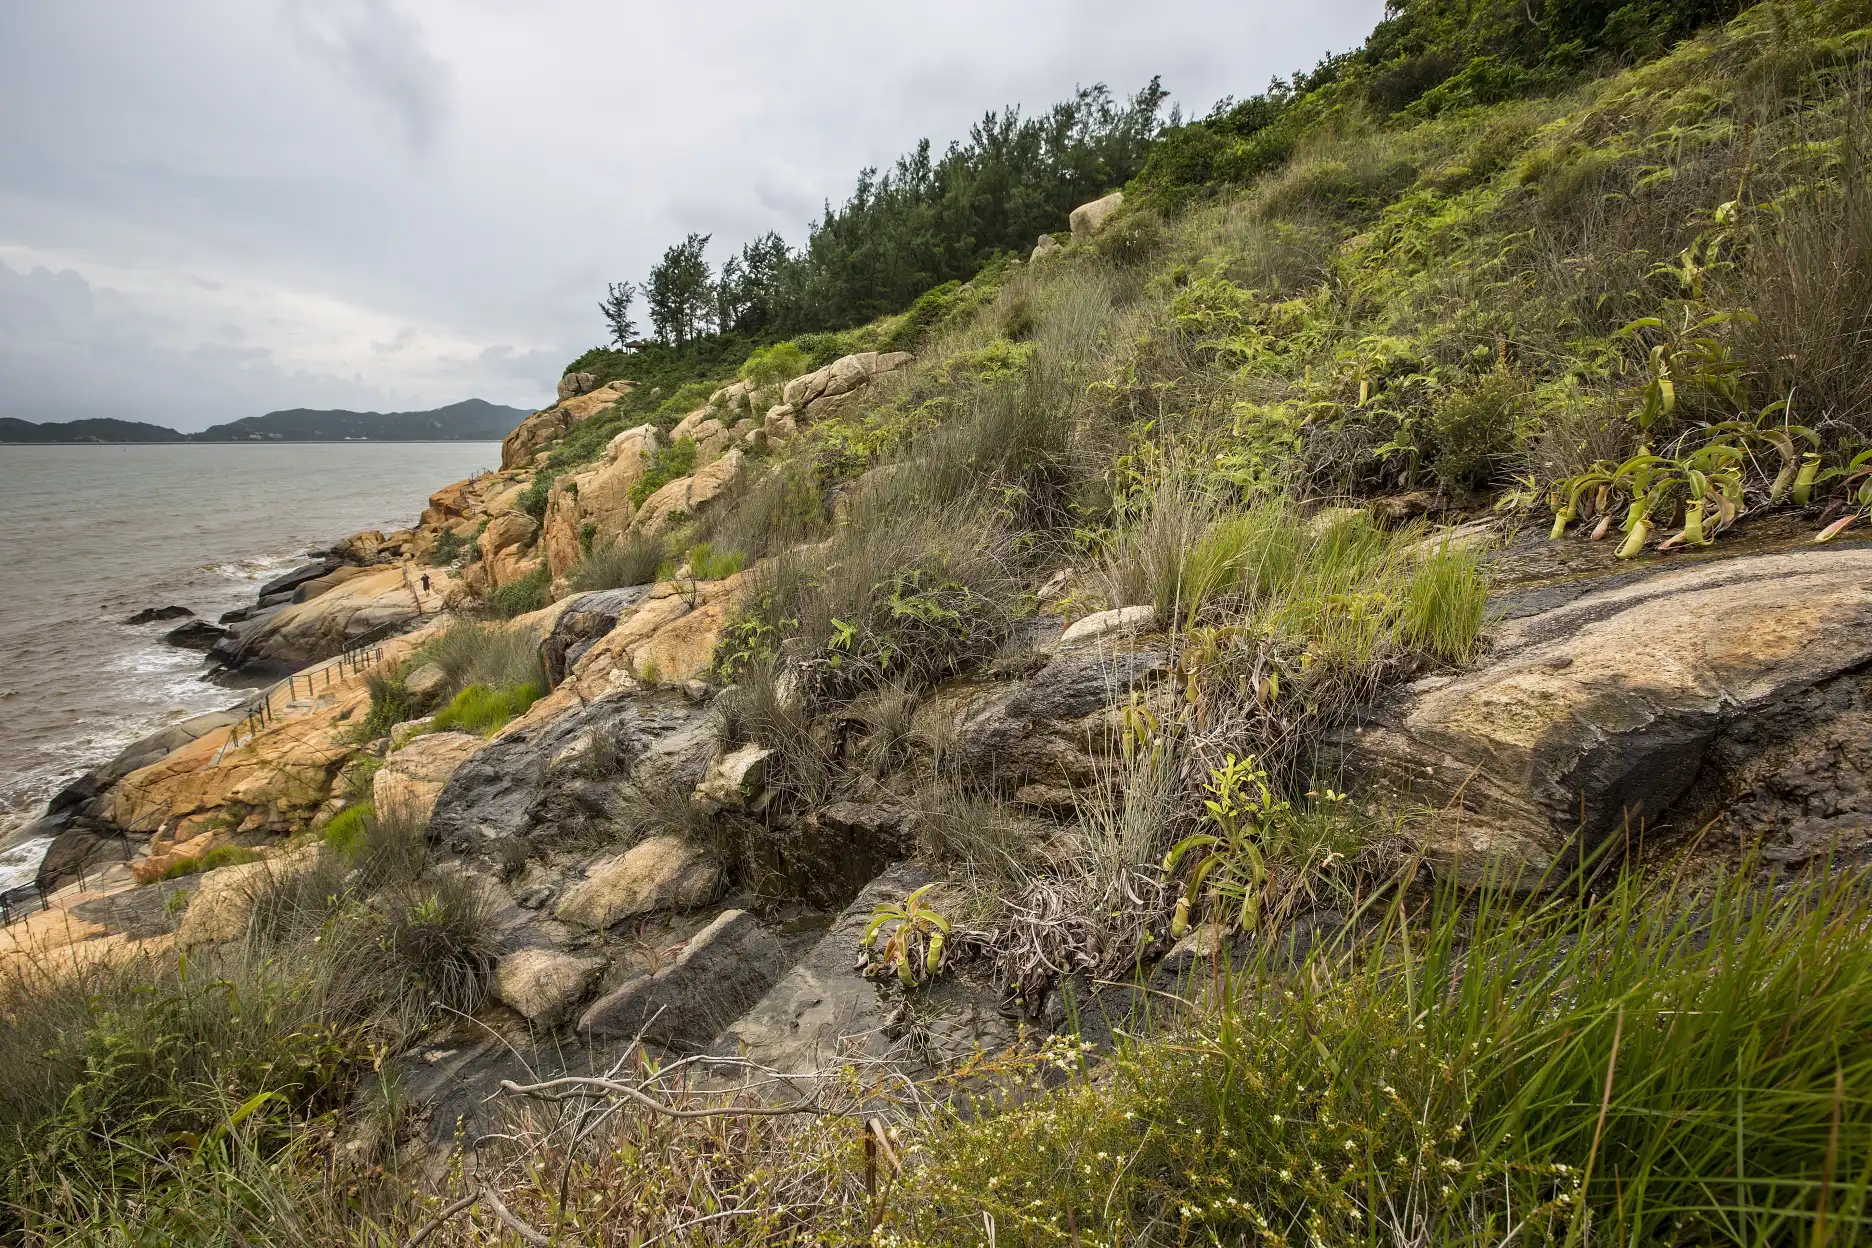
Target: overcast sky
(214,208)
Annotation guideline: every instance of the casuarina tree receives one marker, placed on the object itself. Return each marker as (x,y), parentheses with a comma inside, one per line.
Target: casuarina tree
(681,292)
(616,308)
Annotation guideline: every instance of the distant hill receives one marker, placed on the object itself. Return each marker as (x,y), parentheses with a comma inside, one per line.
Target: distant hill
(472,420)
(105,430)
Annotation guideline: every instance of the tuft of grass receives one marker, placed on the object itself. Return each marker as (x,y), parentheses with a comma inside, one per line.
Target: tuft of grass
(1441,605)
(784,508)
(531,592)
(708,564)
(907,599)
(471,652)
(631,560)
(390,703)
(219,856)
(484,710)
(349,829)
(1459,1072)
(440,932)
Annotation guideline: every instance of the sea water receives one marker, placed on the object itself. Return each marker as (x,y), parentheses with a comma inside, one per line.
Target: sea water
(91,534)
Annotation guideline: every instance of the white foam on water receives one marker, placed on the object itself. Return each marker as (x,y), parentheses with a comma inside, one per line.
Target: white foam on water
(20,864)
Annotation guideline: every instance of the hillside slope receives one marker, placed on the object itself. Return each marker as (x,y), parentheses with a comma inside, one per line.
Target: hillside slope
(1325,703)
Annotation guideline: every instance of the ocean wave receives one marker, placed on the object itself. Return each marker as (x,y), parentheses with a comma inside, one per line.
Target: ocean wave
(20,864)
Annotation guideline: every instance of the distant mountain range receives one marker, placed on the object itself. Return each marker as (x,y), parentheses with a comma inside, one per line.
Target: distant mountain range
(472,420)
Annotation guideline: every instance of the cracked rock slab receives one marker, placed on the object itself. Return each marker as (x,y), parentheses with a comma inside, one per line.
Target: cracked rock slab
(1596,716)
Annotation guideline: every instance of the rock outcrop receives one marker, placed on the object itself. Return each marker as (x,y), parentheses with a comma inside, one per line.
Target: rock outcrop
(1592,720)
(571,776)
(543,427)
(662,873)
(824,1010)
(544,984)
(716,976)
(690,496)
(221,905)
(413,776)
(378,600)
(504,547)
(1089,219)
(825,392)
(598,497)
(577,383)
(273,781)
(1039,739)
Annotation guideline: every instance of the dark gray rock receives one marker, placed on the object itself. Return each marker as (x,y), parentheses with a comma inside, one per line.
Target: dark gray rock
(570,778)
(824,1008)
(139,913)
(78,849)
(589,618)
(720,973)
(196,635)
(878,821)
(1031,731)
(287,582)
(152,615)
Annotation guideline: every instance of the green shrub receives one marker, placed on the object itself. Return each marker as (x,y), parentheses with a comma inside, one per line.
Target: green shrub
(905,599)
(532,500)
(631,560)
(773,365)
(531,592)
(941,306)
(449,546)
(483,710)
(1476,432)
(390,703)
(674,460)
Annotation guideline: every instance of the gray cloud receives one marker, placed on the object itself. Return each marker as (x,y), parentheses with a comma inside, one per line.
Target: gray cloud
(210,210)
(382,52)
